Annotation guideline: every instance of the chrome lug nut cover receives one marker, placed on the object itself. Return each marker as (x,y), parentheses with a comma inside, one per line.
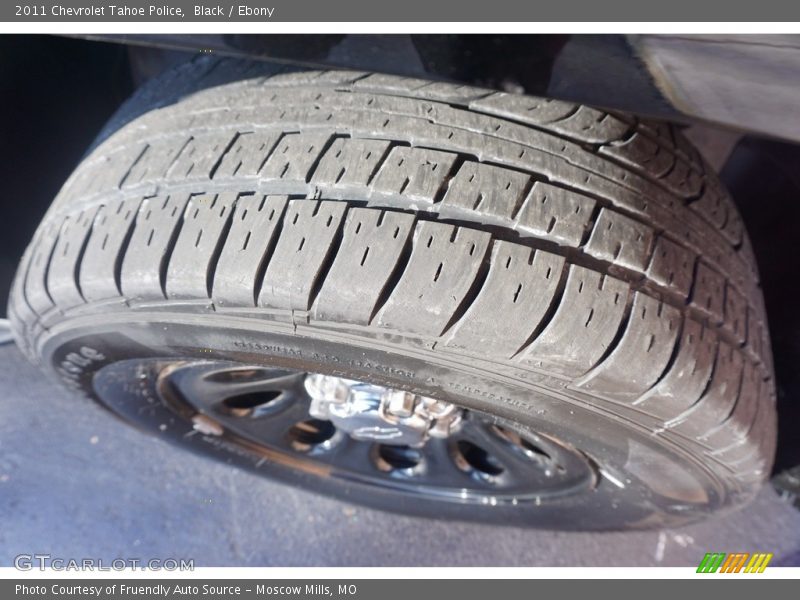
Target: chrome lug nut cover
(374,413)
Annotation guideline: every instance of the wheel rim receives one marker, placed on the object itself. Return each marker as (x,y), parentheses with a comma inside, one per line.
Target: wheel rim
(484,461)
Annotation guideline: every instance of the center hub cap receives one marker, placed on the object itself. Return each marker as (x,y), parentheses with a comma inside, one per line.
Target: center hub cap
(370,412)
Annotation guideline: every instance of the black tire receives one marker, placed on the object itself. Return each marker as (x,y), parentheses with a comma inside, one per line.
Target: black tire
(572,271)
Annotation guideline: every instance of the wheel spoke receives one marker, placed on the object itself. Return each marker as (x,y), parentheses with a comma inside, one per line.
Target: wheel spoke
(273,428)
(476,461)
(519,466)
(441,467)
(256,380)
(239,388)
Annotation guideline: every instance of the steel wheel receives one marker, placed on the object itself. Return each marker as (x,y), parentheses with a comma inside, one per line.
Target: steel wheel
(370,437)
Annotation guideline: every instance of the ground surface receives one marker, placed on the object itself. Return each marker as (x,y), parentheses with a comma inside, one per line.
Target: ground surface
(75,482)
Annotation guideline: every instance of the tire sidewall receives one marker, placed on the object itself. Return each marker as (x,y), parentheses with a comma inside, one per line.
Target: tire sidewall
(642,481)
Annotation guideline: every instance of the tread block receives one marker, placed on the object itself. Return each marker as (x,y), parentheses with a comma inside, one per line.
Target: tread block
(254,226)
(62,275)
(734,227)
(196,160)
(421,88)
(36,279)
(738,424)
(687,378)
(672,266)
(683,180)
(157,224)
(592,126)
(304,245)
(685,149)
(755,337)
(555,214)
(247,154)
(661,130)
(717,402)
(443,91)
(491,192)
(735,314)
(708,292)
(153,161)
(347,164)
(193,259)
(641,355)
(583,326)
(107,172)
(111,230)
(412,177)
(747,255)
(514,299)
(314,77)
(383,83)
(766,348)
(712,204)
(294,158)
(620,240)
(755,449)
(372,245)
(759,445)
(444,263)
(526,109)
(642,153)
(717,209)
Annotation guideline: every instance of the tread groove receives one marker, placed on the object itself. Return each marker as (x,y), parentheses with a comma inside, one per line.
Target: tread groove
(395,275)
(163,265)
(217,252)
(555,302)
(472,293)
(265,259)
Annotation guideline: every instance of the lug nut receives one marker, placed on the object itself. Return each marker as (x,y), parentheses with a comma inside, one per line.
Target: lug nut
(368,412)
(400,404)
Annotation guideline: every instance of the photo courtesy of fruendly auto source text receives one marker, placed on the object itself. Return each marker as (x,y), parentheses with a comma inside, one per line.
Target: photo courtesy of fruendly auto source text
(371,300)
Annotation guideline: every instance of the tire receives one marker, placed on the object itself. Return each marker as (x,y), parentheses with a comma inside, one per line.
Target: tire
(575,273)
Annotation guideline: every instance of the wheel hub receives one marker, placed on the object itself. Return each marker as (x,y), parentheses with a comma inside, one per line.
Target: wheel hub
(355,431)
(370,412)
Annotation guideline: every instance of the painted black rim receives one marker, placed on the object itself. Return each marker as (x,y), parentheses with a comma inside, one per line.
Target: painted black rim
(487,461)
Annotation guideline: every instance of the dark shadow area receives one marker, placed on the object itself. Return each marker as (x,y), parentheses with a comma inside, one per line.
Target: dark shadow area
(764,178)
(55,95)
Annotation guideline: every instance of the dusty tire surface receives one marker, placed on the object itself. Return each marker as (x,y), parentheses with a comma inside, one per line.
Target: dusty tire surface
(572,270)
